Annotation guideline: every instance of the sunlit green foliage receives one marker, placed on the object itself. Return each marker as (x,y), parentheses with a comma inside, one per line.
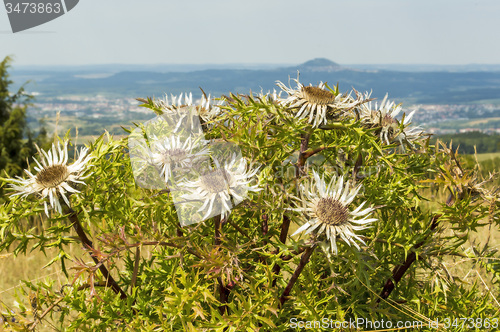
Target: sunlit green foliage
(473,142)
(13,150)
(16,141)
(428,206)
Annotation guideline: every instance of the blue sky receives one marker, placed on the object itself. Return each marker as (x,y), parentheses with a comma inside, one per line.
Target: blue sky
(262,31)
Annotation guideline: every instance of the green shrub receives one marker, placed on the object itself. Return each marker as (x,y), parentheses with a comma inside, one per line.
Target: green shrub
(394,213)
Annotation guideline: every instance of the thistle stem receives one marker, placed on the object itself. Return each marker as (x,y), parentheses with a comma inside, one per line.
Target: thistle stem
(136,267)
(399,271)
(222,289)
(285,225)
(299,171)
(264,224)
(303,261)
(217,224)
(73,217)
(303,155)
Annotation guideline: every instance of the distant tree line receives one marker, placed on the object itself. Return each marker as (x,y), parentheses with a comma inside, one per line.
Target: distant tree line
(484,143)
(17,142)
(485,168)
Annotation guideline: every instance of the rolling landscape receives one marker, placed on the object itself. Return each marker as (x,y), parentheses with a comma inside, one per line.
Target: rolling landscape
(448,99)
(418,87)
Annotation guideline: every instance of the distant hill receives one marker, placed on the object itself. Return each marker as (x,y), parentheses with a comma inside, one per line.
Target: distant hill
(418,87)
(319,65)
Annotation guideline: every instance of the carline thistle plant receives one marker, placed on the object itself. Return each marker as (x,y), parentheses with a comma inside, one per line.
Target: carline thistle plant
(220,186)
(316,103)
(384,118)
(55,179)
(185,109)
(326,208)
(171,153)
(243,255)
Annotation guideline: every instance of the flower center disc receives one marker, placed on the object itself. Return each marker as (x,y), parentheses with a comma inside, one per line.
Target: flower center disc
(201,110)
(316,95)
(216,182)
(331,212)
(173,156)
(388,120)
(52,176)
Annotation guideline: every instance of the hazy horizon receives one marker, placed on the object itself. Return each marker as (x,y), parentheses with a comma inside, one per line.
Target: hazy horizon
(186,67)
(222,32)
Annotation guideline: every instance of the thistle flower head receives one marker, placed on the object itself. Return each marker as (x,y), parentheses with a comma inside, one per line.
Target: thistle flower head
(183,111)
(208,110)
(171,153)
(175,102)
(218,188)
(55,179)
(274,96)
(328,210)
(317,103)
(384,117)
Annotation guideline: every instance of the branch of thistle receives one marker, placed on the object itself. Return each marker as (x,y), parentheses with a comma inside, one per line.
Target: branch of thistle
(311,152)
(304,144)
(265,226)
(303,261)
(59,299)
(217,224)
(357,166)
(136,268)
(399,271)
(32,326)
(73,217)
(223,290)
(284,233)
(299,170)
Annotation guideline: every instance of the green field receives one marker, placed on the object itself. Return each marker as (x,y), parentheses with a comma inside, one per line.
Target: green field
(487,156)
(485,120)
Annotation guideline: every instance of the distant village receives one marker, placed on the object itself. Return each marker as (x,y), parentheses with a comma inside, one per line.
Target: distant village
(436,119)
(460,118)
(97,106)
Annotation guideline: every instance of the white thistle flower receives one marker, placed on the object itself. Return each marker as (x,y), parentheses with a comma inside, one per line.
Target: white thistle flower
(207,111)
(180,110)
(181,113)
(274,96)
(54,176)
(327,208)
(217,187)
(171,154)
(314,102)
(175,102)
(384,116)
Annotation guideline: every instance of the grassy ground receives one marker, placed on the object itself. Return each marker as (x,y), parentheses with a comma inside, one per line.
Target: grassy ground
(487,156)
(30,267)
